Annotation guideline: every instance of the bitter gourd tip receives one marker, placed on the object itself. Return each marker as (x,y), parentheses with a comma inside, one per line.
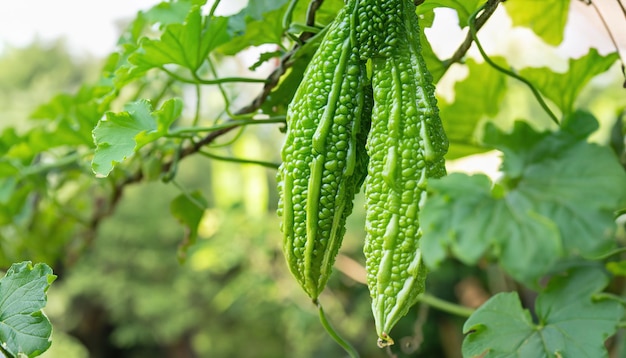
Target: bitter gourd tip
(384,340)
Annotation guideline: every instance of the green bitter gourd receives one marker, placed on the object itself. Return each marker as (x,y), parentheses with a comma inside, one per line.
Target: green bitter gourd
(406,145)
(324,159)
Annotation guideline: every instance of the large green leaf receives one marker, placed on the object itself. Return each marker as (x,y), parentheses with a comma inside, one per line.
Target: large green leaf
(464,8)
(468,219)
(547,18)
(571,322)
(476,98)
(555,200)
(563,88)
(24,328)
(121,134)
(258,23)
(187,44)
(577,184)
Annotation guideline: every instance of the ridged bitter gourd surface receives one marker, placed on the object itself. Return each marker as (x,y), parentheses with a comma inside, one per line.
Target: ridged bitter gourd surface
(324,161)
(406,146)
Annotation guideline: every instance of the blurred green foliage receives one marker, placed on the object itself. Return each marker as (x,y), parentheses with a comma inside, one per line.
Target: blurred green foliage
(31,75)
(232,288)
(142,277)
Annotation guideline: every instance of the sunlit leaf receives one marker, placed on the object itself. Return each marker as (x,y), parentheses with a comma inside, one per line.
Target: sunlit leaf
(24,328)
(121,134)
(563,88)
(477,97)
(547,18)
(258,23)
(187,44)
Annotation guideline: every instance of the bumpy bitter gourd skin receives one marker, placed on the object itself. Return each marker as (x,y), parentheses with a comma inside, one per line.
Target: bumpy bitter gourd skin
(324,161)
(406,145)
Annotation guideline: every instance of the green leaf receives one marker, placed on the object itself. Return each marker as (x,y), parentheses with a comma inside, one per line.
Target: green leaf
(617,268)
(187,44)
(166,13)
(120,135)
(571,322)
(264,57)
(477,97)
(547,18)
(556,200)
(324,15)
(465,217)
(257,9)
(8,138)
(464,8)
(7,186)
(258,23)
(563,88)
(24,328)
(161,14)
(575,183)
(280,97)
(73,117)
(188,209)
(163,119)
(14,149)
(152,168)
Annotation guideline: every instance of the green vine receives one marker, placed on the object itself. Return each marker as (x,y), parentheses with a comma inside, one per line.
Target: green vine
(445,306)
(239,160)
(542,103)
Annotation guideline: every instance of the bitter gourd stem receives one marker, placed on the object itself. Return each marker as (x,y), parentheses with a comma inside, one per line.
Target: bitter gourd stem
(542,103)
(352,352)
(445,306)
(262,163)
(213,8)
(288,16)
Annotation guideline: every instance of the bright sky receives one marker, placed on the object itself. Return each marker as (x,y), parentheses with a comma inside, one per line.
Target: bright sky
(89,26)
(92,26)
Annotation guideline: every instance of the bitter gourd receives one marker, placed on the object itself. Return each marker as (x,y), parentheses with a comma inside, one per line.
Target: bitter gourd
(324,159)
(406,145)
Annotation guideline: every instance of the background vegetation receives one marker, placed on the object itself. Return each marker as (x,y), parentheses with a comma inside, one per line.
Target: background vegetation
(168,250)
